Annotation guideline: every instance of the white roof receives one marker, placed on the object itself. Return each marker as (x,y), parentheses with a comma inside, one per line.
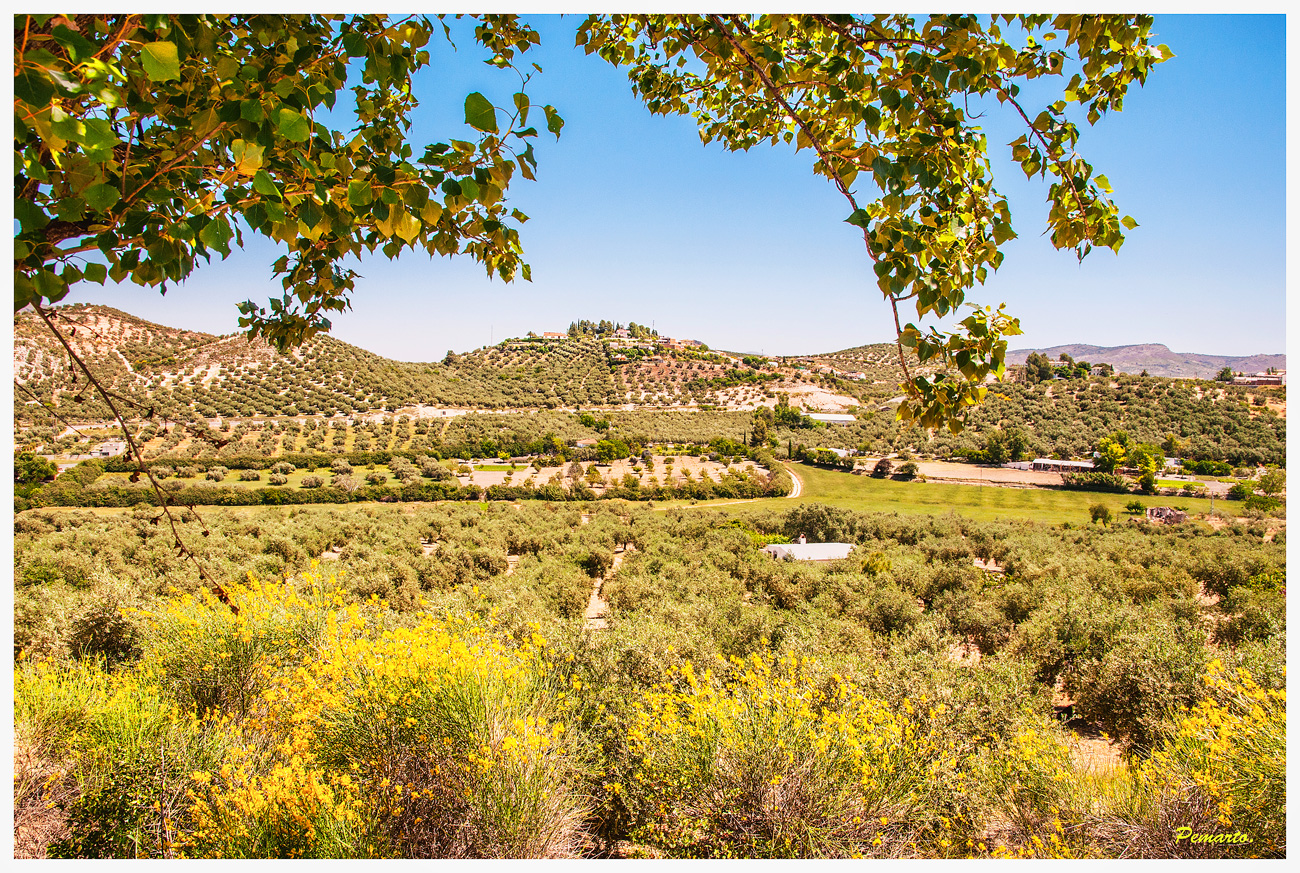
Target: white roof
(832,417)
(809,551)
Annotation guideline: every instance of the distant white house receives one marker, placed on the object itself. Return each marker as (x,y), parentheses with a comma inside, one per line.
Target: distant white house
(1051,465)
(1278,378)
(808,551)
(832,418)
(109,449)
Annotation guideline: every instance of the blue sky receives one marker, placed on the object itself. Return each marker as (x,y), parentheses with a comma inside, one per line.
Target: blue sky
(634,220)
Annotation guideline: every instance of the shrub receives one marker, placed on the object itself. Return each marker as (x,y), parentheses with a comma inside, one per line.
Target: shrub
(783,761)
(1222,771)
(1251,614)
(277,479)
(1094,481)
(312,481)
(250,475)
(129,755)
(216,656)
(1135,690)
(105,630)
(1240,491)
(283,468)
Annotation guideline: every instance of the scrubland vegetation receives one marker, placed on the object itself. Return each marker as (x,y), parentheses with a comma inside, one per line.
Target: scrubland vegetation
(429,688)
(383,666)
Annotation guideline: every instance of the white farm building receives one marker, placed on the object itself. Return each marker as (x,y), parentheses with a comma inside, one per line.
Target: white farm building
(808,551)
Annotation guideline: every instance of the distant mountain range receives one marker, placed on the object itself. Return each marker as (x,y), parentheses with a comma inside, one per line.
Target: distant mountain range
(1156,359)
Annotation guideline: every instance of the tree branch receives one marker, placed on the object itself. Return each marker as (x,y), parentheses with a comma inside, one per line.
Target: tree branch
(141,466)
(817,144)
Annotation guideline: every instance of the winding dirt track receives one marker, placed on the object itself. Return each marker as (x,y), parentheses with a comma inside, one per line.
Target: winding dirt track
(798,483)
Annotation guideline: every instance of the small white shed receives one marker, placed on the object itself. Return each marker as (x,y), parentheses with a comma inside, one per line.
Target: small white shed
(808,551)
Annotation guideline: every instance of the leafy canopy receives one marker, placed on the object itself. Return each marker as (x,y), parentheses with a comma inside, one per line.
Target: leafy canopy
(151,141)
(882,102)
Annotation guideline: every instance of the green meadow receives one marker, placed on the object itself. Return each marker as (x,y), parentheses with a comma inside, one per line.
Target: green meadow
(982,503)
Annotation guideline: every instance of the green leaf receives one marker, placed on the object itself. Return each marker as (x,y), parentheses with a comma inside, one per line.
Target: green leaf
(293,126)
(859,218)
(101,197)
(96,273)
(355,44)
(480,114)
(263,185)
(161,61)
(1128,222)
(553,120)
(33,88)
(359,193)
(217,234)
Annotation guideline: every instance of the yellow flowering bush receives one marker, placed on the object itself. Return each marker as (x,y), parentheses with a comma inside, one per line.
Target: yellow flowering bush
(781,761)
(1229,752)
(215,655)
(127,748)
(283,809)
(434,740)
(453,735)
(289,723)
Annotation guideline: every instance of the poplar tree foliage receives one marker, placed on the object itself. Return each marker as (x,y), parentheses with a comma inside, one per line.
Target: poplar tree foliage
(883,103)
(153,141)
(149,142)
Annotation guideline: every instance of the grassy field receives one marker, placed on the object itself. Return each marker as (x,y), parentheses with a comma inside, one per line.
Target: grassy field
(934,498)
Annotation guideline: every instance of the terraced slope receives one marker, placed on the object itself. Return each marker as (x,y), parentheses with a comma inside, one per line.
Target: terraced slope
(185,373)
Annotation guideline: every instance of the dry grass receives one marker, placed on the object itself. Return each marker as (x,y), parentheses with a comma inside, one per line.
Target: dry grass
(40,792)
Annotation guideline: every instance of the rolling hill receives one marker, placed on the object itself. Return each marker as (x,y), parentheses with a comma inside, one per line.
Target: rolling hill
(186,374)
(668,395)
